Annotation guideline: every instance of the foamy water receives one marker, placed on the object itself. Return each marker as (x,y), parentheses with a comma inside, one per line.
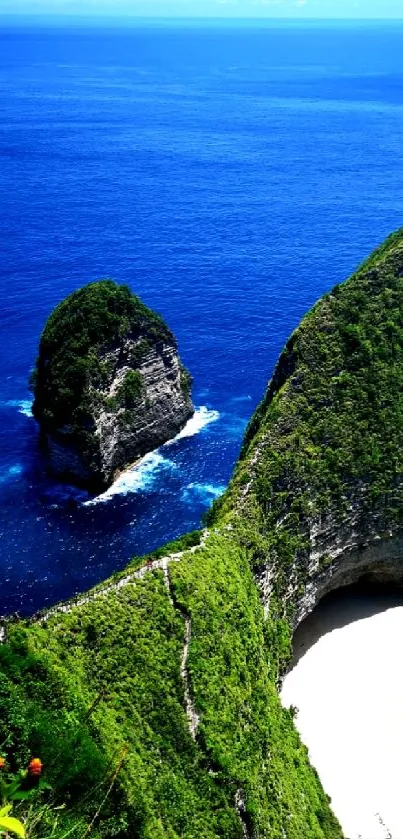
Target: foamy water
(201,418)
(24,406)
(141,477)
(348,688)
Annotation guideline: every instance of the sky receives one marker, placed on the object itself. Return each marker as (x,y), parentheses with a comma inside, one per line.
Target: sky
(209,8)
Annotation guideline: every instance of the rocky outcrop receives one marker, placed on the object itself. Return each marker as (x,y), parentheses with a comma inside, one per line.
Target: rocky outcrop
(339,558)
(109,385)
(319,487)
(177,659)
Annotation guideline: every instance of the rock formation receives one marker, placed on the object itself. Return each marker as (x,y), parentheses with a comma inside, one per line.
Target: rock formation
(109,385)
(165,678)
(321,472)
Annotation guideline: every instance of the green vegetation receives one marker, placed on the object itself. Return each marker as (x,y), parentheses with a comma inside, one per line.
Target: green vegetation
(329,433)
(90,396)
(22,814)
(102,684)
(80,330)
(186,380)
(129,391)
(101,691)
(139,351)
(188,540)
(131,388)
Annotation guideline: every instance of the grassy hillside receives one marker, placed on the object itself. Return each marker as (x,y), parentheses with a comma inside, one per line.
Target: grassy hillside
(99,691)
(104,692)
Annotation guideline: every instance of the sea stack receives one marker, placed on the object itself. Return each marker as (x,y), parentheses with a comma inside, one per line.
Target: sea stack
(109,385)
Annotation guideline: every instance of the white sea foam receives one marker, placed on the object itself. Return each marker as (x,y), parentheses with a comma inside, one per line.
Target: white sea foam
(206,492)
(139,478)
(24,406)
(202,417)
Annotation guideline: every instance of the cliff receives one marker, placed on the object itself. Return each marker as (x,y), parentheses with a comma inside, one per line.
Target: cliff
(153,699)
(109,385)
(320,474)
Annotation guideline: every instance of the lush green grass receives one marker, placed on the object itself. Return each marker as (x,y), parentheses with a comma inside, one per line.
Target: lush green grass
(103,684)
(98,694)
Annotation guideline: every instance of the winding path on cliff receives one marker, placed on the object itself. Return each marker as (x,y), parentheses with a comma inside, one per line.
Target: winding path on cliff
(315,503)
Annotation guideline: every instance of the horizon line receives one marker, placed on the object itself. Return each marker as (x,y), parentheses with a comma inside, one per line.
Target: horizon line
(17,16)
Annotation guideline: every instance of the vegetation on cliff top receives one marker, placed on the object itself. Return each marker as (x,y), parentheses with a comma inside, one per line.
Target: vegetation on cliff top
(99,316)
(105,680)
(92,397)
(328,436)
(101,686)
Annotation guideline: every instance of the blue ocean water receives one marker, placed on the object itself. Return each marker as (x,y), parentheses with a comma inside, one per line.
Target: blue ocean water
(230,174)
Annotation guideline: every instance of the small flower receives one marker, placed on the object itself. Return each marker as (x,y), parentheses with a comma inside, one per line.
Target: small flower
(35,766)
(2,762)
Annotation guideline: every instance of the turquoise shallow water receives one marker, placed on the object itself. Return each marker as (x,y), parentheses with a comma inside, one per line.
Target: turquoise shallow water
(230,175)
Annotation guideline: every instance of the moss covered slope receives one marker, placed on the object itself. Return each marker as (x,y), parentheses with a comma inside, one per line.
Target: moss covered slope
(102,687)
(110,691)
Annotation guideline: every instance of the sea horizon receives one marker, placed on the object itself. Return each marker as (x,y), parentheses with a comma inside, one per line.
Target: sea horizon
(118,20)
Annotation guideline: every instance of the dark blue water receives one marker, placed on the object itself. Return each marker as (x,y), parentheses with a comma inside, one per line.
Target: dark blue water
(230,175)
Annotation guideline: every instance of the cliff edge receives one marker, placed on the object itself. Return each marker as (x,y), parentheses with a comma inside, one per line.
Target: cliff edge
(109,385)
(319,485)
(152,700)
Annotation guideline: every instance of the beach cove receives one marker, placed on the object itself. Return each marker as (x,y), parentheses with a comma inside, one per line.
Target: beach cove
(348,688)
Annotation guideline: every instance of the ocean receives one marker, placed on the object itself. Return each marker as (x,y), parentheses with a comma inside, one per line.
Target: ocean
(230,174)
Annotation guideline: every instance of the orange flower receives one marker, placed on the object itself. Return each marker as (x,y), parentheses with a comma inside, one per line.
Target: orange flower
(35,766)
(2,762)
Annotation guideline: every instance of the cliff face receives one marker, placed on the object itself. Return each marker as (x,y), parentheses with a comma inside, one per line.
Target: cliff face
(321,473)
(166,676)
(109,385)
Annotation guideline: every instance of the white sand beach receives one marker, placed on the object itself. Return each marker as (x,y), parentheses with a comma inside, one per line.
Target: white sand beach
(348,687)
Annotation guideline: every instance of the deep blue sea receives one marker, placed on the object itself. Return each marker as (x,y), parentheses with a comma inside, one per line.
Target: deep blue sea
(231,174)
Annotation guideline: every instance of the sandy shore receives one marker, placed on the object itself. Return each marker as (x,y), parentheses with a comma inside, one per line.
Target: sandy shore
(347,682)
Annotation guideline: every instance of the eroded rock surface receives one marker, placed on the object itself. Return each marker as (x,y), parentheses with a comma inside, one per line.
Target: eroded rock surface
(319,487)
(109,384)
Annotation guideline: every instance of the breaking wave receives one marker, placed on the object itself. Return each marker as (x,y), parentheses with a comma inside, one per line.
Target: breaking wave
(24,406)
(141,476)
(201,418)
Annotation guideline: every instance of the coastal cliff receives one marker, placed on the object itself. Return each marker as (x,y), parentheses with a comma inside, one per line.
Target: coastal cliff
(320,478)
(109,385)
(153,699)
